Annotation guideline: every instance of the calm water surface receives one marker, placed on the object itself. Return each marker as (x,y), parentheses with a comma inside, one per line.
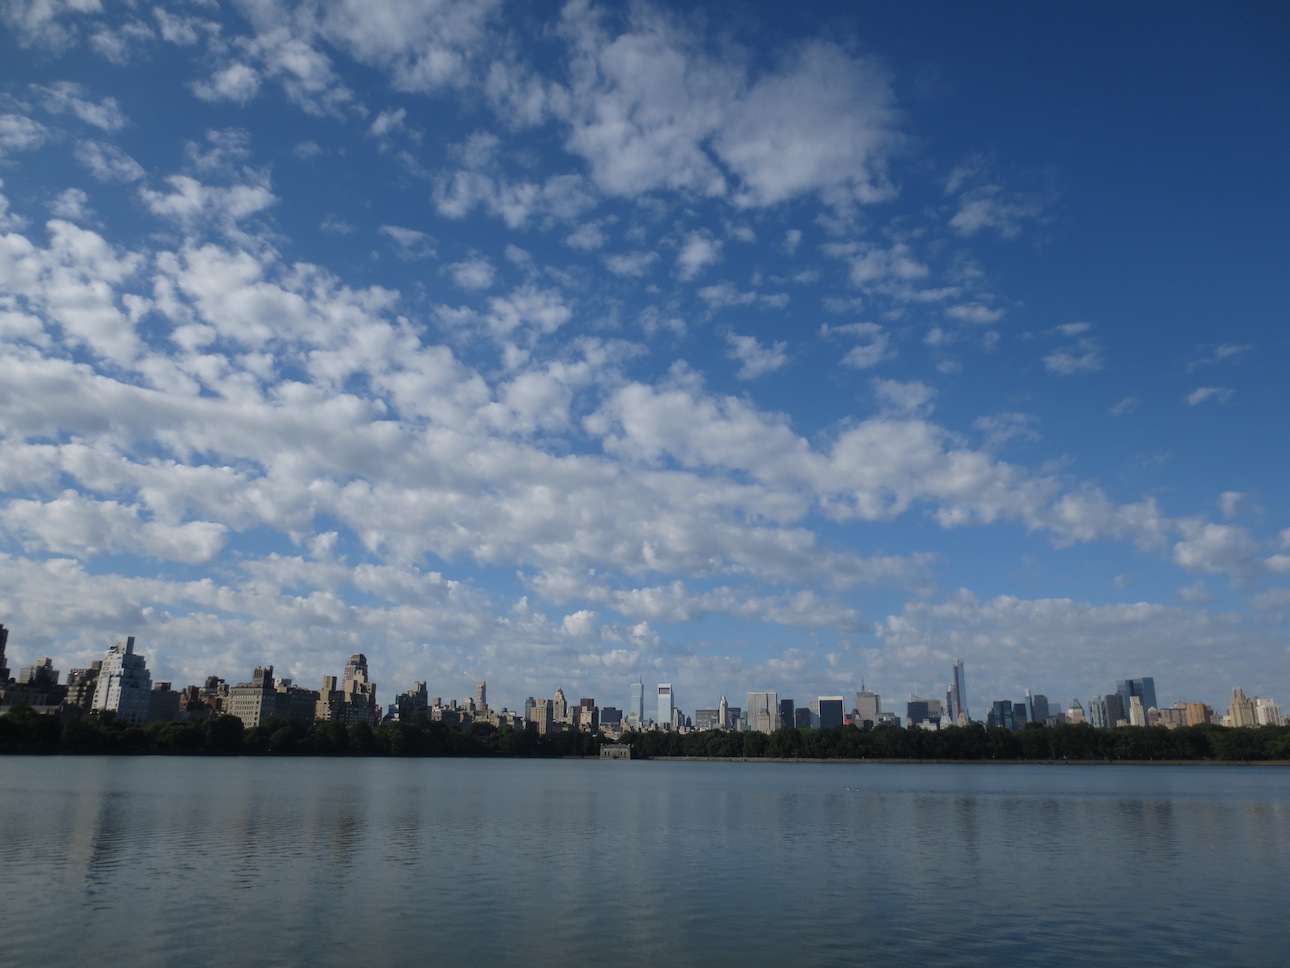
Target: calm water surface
(185,861)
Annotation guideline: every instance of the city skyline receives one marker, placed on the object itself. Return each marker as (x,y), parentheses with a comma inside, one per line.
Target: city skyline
(122,684)
(584,344)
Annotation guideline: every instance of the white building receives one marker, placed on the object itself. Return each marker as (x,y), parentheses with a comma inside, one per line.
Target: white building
(123,685)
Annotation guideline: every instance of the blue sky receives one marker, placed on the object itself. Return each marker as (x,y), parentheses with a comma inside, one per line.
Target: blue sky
(741,349)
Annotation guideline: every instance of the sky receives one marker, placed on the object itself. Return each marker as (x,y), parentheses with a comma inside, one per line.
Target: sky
(756,346)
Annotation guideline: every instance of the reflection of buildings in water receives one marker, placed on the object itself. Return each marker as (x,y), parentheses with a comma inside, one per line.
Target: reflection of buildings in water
(109,836)
(1149,829)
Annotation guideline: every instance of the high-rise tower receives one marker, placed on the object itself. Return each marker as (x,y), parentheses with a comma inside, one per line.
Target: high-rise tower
(123,684)
(666,705)
(958,696)
(636,708)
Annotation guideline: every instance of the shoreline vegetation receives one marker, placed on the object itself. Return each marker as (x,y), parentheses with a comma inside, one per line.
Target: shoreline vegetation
(27,732)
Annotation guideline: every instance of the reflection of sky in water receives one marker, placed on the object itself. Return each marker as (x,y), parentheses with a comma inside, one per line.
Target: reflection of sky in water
(339,861)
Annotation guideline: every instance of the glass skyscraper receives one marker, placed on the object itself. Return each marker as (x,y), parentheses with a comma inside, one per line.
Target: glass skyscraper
(665,705)
(636,708)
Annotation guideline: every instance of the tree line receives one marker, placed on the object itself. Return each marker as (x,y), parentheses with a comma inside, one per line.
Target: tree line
(25,731)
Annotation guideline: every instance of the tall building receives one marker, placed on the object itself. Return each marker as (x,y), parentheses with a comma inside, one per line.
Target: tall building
(123,684)
(1001,715)
(4,666)
(705,719)
(786,712)
(723,715)
(923,711)
(636,708)
(831,713)
(481,697)
(542,717)
(560,707)
(666,705)
(763,712)
(868,708)
(81,684)
(253,702)
(355,701)
(1137,712)
(958,708)
(1144,688)
(1039,709)
(1241,710)
(1115,711)
(413,705)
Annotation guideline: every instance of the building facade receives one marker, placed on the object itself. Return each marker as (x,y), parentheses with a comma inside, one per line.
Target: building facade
(123,684)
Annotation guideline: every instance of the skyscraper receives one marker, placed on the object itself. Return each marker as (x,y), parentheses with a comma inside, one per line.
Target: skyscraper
(666,705)
(1039,711)
(636,708)
(868,706)
(1144,688)
(958,711)
(763,712)
(830,708)
(1001,715)
(4,667)
(123,684)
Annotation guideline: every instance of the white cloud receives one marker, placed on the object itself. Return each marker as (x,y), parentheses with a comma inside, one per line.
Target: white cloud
(999,429)
(108,163)
(873,267)
(872,348)
(388,122)
(1196,594)
(912,397)
(68,96)
(409,243)
(1229,503)
(633,264)
(699,251)
(71,204)
(753,358)
(823,122)
(472,274)
(1084,357)
(1126,405)
(1223,353)
(1216,548)
(1205,394)
(422,46)
(974,313)
(190,201)
(588,237)
(239,83)
(19,133)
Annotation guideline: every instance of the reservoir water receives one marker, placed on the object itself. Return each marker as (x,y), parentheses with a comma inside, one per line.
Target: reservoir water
(152,861)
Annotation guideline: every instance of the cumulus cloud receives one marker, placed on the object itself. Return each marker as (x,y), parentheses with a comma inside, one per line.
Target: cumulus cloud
(108,163)
(63,96)
(753,358)
(697,253)
(20,133)
(872,346)
(238,83)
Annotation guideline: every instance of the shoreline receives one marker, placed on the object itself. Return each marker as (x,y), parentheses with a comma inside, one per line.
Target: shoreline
(941,762)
